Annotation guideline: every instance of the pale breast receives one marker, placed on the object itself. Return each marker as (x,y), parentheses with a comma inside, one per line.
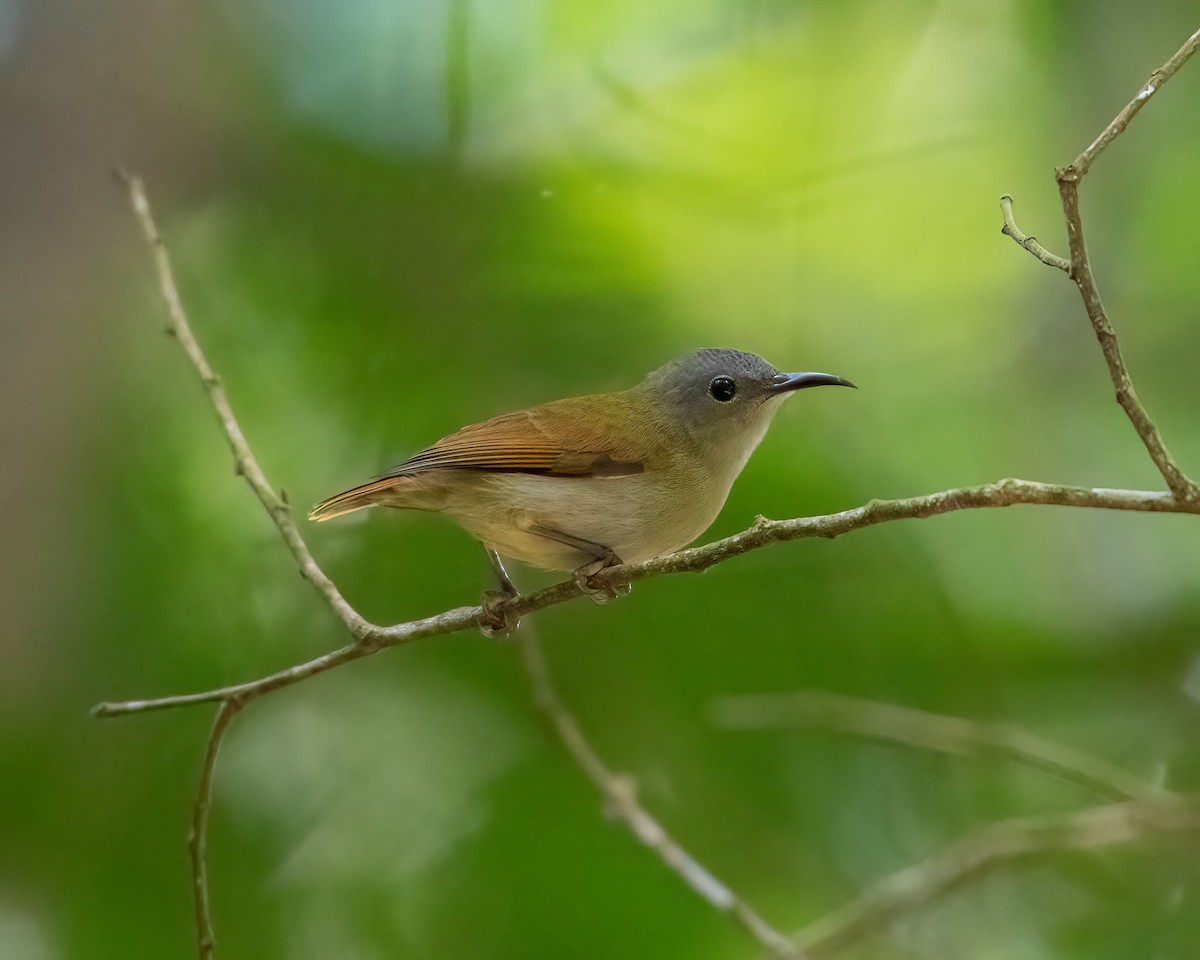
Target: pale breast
(636,517)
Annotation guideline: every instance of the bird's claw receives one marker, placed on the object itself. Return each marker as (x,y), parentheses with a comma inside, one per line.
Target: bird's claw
(494,620)
(586,578)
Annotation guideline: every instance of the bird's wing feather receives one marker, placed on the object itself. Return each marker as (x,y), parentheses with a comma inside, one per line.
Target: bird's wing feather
(568,438)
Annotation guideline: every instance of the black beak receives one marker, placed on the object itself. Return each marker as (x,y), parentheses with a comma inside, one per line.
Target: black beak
(784,382)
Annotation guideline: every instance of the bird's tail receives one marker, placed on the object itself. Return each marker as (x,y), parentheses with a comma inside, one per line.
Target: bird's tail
(366,495)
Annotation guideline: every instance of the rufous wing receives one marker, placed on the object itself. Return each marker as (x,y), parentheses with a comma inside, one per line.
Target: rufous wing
(577,437)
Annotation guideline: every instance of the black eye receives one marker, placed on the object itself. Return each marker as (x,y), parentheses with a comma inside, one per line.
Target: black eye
(722,388)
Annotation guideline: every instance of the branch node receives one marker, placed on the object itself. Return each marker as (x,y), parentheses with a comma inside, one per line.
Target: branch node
(1068,174)
(874,506)
(368,640)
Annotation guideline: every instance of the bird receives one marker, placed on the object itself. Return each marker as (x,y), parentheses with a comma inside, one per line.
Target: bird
(586,483)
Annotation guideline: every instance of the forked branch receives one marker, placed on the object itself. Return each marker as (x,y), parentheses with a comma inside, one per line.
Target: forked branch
(1079,268)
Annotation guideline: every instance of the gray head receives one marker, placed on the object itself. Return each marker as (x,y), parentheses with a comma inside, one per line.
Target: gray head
(725,399)
(719,385)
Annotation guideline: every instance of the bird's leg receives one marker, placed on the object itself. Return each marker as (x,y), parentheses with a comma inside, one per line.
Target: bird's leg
(584,576)
(503,580)
(493,620)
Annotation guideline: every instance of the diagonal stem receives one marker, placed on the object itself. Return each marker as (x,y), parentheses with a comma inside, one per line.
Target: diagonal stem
(244,460)
(1081,273)
(620,793)
(1082,163)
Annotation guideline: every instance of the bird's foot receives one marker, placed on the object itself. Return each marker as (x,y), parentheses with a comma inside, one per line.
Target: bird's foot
(586,579)
(494,620)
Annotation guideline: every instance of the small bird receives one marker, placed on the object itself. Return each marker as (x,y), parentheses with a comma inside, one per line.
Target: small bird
(586,483)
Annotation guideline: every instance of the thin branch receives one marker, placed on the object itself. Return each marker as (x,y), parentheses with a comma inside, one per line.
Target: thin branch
(989,847)
(1010,229)
(242,691)
(244,461)
(1001,493)
(198,838)
(620,794)
(1083,162)
(932,731)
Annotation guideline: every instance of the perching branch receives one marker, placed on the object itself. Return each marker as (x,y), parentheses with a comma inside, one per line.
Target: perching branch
(1079,269)
(931,731)
(1001,493)
(986,849)
(620,793)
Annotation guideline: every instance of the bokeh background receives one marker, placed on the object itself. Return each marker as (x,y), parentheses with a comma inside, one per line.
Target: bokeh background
(392,217)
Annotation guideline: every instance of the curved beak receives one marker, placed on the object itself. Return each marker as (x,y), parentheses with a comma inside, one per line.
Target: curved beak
(786,382)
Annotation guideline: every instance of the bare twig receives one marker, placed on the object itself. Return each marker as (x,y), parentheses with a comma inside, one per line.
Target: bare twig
(244,460)
(376,639)
(198,839)
(620,793)
(989,847)
(932,731)
(1010,229)
(1079,269)
(1001,493)
(1083,162)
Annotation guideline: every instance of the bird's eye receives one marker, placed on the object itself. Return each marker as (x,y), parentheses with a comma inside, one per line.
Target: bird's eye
(722,388)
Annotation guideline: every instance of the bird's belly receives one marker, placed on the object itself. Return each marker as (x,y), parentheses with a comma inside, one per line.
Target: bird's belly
(636,517)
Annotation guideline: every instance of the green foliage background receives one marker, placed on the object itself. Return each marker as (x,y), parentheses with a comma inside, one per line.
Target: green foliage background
(390,218)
